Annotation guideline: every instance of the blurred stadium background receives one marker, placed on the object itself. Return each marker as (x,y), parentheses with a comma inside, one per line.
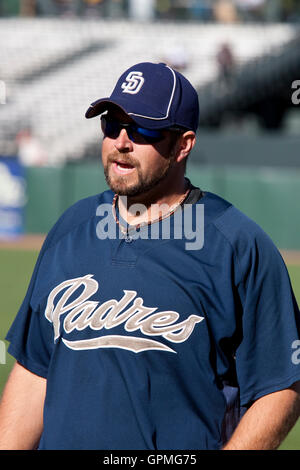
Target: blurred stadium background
(57,56)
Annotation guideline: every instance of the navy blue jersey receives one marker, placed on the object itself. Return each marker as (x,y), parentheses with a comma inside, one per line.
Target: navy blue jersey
(146,344)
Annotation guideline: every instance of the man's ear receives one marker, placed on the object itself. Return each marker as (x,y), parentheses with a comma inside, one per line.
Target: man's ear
(185,144)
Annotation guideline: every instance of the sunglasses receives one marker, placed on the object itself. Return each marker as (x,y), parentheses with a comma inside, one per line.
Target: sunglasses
(111,128)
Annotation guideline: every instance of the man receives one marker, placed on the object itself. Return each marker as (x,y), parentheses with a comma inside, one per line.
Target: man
(148,335)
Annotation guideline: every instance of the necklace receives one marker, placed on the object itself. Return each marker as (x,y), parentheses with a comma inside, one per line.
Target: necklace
(127,230)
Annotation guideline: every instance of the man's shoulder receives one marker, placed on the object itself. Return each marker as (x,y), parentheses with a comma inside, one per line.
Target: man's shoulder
(215,206)
(86,207)
(233,222)
(243,233)
(226,217)
(78,213)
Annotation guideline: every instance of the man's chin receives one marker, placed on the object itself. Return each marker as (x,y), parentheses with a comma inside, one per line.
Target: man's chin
(131,189)
(123,188)
(130,192)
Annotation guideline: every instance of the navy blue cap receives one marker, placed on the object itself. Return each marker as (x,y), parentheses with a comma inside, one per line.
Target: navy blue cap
(155,96)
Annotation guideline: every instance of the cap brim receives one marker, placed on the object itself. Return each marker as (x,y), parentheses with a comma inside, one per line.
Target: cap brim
(100,106)
(104,104)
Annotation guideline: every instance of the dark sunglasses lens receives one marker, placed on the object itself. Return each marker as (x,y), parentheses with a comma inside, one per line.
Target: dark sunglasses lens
(110,128)
(150,135)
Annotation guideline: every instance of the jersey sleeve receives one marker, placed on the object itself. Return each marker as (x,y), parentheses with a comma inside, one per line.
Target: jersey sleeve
(270,322)
(27,336)
(30,336)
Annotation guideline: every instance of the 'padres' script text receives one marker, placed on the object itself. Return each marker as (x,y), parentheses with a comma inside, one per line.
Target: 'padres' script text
(82,313)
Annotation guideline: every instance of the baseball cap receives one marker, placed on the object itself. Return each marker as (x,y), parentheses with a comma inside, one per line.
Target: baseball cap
(155,96)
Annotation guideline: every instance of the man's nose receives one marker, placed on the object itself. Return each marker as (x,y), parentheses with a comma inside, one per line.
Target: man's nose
(123,142)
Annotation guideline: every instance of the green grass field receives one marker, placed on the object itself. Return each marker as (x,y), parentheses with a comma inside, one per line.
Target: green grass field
(15,271)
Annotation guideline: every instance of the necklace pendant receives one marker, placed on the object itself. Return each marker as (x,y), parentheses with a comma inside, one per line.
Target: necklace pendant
(128,238)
